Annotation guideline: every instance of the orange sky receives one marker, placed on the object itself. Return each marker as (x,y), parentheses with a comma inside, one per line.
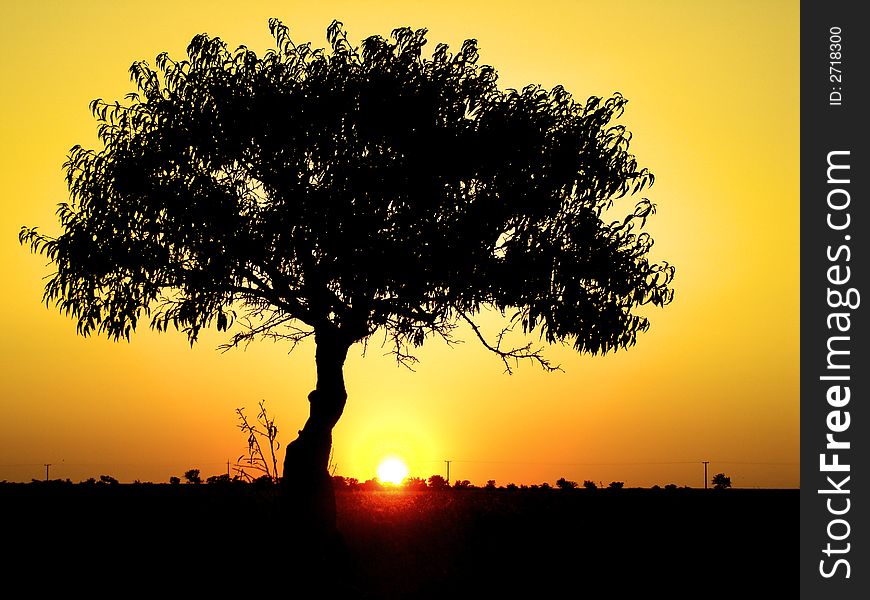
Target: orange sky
(714,107)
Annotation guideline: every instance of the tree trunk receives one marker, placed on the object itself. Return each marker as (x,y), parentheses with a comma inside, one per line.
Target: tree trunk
(307,483)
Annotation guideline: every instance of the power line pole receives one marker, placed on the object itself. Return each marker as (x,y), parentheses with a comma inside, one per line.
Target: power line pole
(706,462)
(47,465)
(448,470)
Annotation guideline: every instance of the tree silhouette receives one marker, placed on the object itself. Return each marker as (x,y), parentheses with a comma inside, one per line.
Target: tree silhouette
(437,482)
(192,476)
(349,191)
(720,481)
(565,484)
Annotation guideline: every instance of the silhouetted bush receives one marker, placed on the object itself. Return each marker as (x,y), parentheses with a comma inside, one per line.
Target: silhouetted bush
(590,485)
(192,476)
(616,485)
(263,433)
(565,484)
(462,485)
(108,479)
(437,482)
(371,485)
(720,481)
(415,484)
(174,480)
(263,482)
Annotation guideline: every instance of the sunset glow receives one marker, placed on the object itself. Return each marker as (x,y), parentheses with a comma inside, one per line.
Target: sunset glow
(392,470)
(714,113)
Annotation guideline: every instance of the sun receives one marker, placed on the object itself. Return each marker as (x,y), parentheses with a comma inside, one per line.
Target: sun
(392,470)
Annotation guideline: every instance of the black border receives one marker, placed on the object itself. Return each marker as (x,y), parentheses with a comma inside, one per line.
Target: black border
(825,128)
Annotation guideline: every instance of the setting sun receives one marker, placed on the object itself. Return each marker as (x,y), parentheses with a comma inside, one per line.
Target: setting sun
(392,470)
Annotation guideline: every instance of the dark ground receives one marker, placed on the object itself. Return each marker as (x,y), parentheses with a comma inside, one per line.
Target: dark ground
(118,540)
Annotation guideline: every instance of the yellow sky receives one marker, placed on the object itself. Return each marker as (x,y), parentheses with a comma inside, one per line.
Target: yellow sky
(713,95)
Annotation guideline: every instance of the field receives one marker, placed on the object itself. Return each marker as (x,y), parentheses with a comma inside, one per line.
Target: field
(683,543)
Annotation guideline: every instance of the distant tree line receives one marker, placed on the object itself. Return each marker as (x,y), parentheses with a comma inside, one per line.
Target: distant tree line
(414,484)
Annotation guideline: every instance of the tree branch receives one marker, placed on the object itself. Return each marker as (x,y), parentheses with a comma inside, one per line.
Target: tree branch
(514,354)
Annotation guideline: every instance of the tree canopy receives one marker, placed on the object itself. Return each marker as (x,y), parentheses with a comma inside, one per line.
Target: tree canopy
(353,190)
(721,481)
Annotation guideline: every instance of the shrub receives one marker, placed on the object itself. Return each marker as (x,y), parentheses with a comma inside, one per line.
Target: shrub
(192,476)
(721,481)
(565,484)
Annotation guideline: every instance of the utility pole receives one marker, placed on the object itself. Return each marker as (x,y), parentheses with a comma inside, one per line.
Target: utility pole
(47,465)
(448,471)
(706,462)
(228,468)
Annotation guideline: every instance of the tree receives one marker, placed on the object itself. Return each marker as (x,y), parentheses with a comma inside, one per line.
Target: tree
(415,484)
(720,481)
(192,476)
(565,484)
(590,485)
(342,193)
(437,482)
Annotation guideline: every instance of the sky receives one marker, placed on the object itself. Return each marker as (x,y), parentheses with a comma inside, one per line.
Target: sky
(714,102)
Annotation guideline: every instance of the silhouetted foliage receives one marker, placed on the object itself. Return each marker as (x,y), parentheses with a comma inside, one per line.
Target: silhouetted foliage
(462,484)
(222,479)
(357,189)
(437,482)
(415,484)
(192,476)
(720,481)
(108,479)
(174,480)
(264,432)
(343,192)
(616,485)
(511,487)
(590,485)
(671,486)
(564,484)
(490,484)
(371,485)
(264,482)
